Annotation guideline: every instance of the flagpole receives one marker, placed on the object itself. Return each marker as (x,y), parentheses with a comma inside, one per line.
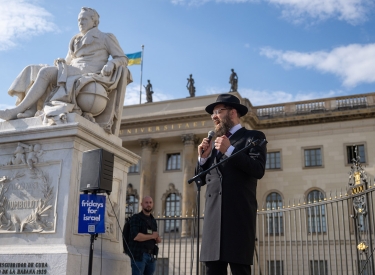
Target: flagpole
(140,85)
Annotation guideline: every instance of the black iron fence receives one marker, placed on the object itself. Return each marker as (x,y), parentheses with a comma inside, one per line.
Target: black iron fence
(324,236)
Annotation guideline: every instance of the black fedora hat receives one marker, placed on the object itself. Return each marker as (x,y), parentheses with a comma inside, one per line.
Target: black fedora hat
(228,100)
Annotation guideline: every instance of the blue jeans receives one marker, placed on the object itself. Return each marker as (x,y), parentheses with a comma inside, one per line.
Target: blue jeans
(144,267)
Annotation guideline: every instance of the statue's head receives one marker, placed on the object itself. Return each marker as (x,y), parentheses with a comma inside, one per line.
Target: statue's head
(88,18)
(37,147)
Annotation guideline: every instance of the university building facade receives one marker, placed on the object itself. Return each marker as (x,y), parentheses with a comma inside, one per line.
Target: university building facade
(309,146)
(310,152)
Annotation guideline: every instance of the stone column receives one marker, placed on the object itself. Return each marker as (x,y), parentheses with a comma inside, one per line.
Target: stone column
(188,192)
(147,181)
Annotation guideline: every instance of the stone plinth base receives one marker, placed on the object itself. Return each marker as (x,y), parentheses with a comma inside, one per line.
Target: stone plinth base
(40,171)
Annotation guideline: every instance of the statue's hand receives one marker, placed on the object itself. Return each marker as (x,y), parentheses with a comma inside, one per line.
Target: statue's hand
(107,69)
(58,60)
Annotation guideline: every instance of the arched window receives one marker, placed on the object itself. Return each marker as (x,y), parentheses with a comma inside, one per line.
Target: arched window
(131,205)
(172,209)
(131,201)
(316,215)
(274,219)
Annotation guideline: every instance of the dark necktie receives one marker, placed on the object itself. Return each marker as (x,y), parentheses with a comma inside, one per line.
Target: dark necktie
(228,134)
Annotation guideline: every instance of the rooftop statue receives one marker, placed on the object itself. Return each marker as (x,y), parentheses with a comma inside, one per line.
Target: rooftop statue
(149,91)
(85,82)
(190,86)
(233,80)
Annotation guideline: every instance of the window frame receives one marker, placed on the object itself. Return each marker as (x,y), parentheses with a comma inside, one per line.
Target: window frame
(277,227)
(346,145)
(303,149)
(166,154)
(280,160)
(322,227)
(131,204)
(138,165)
(320,264)
(274,266)
(176,223)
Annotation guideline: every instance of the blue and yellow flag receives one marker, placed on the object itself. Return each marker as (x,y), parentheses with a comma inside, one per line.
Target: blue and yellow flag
(134,58)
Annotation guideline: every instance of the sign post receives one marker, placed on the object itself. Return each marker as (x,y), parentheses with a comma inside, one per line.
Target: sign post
(91,219)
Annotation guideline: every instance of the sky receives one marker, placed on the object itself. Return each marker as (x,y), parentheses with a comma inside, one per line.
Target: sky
(281,50)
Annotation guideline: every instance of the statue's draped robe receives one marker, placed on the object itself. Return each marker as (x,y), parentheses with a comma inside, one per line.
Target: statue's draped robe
(85,59)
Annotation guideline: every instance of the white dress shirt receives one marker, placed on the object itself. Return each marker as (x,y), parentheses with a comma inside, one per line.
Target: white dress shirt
(230,149)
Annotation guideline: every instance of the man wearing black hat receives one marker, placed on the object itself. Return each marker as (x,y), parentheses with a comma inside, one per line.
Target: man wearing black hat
(230,208)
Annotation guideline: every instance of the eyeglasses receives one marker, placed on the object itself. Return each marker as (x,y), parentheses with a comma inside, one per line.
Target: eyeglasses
(218,111)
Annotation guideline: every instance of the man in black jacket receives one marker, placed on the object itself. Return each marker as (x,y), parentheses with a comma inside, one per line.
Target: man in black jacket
(143,237)
(230,207)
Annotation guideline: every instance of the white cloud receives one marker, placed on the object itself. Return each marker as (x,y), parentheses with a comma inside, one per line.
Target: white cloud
(259,98)
(20,20)
(352,11)
(265,97)
(132,95)
(354,64)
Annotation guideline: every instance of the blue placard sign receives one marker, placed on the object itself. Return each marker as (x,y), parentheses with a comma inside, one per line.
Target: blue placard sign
(91,214)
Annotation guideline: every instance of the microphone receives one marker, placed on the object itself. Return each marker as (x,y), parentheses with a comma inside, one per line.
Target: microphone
(209,136)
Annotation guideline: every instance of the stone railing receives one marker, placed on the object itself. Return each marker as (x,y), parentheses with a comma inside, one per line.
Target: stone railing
(315,106)
(271,111)
(352,102)
(310,107)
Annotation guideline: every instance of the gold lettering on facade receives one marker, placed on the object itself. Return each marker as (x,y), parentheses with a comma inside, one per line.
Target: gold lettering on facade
(166,127)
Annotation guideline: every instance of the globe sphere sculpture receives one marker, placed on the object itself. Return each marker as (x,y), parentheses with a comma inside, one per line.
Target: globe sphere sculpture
(92,98)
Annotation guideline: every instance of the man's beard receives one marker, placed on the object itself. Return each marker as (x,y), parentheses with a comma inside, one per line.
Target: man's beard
(224,126)
(147,210)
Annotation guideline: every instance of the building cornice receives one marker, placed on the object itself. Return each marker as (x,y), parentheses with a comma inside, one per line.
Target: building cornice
(324,110)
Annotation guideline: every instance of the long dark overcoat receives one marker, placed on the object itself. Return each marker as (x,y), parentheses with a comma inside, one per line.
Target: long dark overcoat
(231,206)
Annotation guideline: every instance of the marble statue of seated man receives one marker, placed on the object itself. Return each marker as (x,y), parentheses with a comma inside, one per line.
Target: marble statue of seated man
(88,56)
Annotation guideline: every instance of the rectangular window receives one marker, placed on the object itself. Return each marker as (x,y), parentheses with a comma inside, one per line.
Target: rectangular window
(173,161)
(134,168)
(364,265)
(273,160)
(318,267)
(313,157)
(350,153)
(275,268)
(275,223)
(316,219)
(162,266)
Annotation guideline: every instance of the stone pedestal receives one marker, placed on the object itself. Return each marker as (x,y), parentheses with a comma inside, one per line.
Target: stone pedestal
(40,170)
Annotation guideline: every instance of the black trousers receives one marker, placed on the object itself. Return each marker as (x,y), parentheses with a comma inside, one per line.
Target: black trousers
(220,268)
